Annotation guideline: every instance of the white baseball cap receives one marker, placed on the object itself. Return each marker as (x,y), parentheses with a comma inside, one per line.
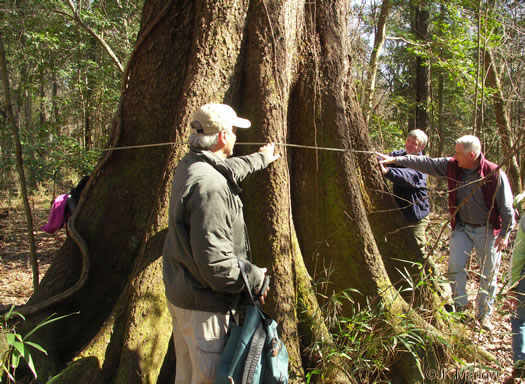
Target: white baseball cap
(213,118)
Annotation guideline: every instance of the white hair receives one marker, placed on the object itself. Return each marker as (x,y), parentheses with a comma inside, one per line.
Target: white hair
(470,144)
(202,141)
(420,136)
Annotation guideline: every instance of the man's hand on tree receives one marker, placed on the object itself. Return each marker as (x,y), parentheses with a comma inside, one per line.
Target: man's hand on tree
(268,150)
(384,170)
(385,159)
(265,288)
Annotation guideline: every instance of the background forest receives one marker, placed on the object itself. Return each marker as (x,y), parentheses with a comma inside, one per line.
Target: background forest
(447,67)
(418,64)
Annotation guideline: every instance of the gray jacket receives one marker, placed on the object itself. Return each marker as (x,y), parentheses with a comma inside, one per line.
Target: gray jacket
(206,232)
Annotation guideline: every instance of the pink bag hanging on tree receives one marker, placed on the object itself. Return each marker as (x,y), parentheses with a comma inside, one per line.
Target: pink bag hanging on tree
(57,215)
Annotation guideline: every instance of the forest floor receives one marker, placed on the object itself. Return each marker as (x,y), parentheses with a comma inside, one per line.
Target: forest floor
(16,282)
(16,275)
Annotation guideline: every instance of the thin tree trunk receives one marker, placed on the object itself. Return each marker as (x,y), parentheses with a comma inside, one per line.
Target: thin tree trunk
(379,40)
(477,112)
(441,122)
(503,122)
(43,113)
(19,163)
(27,107)
(439,147)
(82,86)
(479,122)
(90,121)
(54,96)
(5,149)
(422,86)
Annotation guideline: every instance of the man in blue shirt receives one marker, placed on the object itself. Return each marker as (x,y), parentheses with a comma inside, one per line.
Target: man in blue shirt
(410,187)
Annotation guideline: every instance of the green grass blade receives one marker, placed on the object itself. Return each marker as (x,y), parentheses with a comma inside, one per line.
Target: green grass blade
(47,321)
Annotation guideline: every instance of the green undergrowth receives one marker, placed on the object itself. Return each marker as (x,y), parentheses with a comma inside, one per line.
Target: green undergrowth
(371,341)
(17,349)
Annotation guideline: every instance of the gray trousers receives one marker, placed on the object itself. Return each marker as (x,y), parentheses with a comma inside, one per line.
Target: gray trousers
(463,240)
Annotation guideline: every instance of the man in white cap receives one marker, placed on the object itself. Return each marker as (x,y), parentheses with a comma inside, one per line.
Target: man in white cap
(207,241)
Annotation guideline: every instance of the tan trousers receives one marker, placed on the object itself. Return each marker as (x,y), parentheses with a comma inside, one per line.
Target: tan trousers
(199,339)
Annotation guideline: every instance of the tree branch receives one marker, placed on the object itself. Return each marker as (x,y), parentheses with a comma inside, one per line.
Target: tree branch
(406,41)
(76,16)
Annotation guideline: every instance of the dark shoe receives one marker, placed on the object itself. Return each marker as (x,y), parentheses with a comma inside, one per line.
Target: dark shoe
(465,317)
(461,309)
(518,373)
(519,369)
(451,308)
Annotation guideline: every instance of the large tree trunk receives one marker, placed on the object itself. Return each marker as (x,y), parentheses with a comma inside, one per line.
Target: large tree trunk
(271,59)
(285,65)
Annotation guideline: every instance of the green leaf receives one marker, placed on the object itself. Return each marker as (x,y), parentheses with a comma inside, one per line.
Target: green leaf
(19,347)
(11,339)
(36,346)
(15,359)
(9,314)
(30,363)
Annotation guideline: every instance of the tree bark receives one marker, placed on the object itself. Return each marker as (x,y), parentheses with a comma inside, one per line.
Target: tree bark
(273,28)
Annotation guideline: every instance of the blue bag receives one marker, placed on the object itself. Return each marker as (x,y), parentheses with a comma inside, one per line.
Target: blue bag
(253,352)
